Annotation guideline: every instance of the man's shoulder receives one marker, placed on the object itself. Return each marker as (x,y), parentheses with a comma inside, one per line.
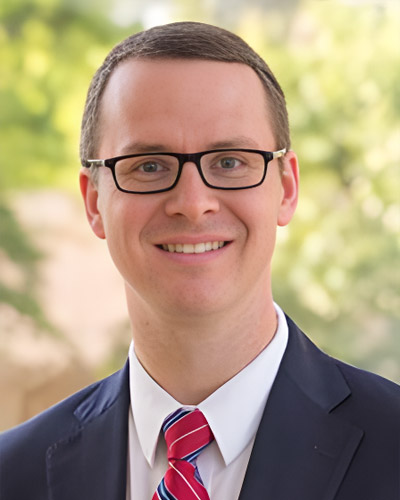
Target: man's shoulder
(361,390)
(374,392)
(47,426)
(27,450)
(63,419)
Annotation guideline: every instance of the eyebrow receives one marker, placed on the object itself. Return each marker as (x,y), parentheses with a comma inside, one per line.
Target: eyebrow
(142,147)
(236,142)
(148,147)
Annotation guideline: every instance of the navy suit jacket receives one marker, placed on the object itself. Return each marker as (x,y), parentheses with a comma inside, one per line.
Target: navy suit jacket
(329,432)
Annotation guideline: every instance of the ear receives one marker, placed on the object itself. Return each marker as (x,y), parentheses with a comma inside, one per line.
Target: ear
(290,185)
(90,196)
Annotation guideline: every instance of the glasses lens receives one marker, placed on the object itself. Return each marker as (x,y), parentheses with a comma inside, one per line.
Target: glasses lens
(233,169)
(146,173)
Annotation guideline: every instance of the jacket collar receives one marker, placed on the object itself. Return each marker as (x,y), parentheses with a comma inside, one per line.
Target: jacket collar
(302,450)
(91,462)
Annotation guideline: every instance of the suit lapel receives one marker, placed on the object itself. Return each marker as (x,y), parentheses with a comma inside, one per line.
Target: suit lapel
(90,463)
(302,450)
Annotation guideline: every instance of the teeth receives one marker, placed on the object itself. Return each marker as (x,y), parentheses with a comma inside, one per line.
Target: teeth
(189,248)
(200,248)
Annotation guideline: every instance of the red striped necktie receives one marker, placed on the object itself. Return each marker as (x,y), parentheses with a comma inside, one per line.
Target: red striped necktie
(186,433)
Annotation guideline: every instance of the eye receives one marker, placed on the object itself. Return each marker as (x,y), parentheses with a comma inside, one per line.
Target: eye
(149,167)
(229,163)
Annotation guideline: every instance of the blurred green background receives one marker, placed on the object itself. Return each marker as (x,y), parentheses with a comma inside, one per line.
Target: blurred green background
(336,269)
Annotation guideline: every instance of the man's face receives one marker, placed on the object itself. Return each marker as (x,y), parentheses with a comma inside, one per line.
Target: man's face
(189,106)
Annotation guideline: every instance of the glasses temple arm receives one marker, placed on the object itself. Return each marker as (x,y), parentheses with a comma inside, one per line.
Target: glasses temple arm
(278,154)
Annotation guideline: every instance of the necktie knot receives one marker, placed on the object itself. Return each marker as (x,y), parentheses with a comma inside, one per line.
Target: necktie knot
(186,434)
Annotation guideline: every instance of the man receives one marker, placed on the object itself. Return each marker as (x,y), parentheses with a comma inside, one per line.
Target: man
(187,172)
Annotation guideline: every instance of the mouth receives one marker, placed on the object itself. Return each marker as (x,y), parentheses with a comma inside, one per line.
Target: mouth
(189,248)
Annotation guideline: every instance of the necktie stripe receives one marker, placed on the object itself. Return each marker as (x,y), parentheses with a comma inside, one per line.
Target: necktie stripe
(185,481)
(181,482)
(186,425)
(187,434)
(189,447)
(162,492)
(174,417)
(185,421)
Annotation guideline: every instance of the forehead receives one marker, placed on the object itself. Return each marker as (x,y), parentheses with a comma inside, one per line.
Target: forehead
(184,98)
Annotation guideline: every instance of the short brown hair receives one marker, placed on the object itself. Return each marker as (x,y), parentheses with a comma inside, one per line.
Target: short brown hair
(182,40)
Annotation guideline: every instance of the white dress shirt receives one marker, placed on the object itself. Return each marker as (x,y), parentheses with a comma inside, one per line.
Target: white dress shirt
(233,412)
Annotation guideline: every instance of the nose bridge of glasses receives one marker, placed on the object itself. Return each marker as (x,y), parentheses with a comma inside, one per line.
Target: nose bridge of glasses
(189,158)
(194,158)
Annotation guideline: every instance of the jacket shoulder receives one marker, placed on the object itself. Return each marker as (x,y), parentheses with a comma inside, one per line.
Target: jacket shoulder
(23,449)
(47,426)
(374,394)
(338,386)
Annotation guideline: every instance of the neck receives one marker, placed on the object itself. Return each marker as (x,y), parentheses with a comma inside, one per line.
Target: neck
(191,357)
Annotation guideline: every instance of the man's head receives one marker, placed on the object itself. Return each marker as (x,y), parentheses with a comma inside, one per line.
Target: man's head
(184,40)
(191,251)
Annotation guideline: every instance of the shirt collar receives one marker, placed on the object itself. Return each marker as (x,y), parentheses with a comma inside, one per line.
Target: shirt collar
(233,411)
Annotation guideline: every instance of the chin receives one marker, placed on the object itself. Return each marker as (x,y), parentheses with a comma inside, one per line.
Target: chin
(198,306)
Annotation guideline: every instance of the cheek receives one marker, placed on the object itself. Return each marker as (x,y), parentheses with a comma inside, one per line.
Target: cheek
(117,221)
(259,209)
(260,217)
(125,218)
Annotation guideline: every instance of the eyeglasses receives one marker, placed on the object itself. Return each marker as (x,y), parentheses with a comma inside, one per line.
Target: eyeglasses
(229,169)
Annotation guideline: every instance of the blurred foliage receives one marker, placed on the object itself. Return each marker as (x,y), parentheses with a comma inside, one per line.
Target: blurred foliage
(339,266)
(336,269)
(49,51)
(18,254)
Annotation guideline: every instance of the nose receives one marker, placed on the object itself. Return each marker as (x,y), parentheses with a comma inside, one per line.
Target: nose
(191,198)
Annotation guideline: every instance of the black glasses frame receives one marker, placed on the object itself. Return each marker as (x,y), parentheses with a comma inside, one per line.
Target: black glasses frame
(182,159)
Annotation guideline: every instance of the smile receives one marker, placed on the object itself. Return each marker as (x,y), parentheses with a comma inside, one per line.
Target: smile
(197,248)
